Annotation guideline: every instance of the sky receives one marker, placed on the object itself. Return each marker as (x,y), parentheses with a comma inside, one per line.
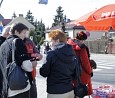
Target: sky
(73,9)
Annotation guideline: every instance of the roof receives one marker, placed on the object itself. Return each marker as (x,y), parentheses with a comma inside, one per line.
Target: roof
(21,19)
(55,27)
(81,19)
(6,21)
(79,27)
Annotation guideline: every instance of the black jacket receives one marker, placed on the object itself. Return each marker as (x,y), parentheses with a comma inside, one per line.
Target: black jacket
(1,85)
(59,68)
(2,39)
(6,56)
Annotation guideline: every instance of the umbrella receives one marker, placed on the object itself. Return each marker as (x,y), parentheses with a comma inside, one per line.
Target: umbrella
(81,19)
(102,19)
(76,23)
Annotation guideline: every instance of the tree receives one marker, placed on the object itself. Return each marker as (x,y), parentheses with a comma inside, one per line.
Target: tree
(41,41)
(63,27)
(36,24)
(55,21)
(30,17)
(60,17)
(65,18)
(40,28)
(34,36)
(14,15)
(38,35)
(60,14)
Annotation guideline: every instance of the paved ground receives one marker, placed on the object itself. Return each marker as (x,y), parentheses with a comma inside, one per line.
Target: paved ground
(41,82)
(41,87)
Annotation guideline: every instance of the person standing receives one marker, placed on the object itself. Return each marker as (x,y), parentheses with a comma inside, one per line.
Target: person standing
(47,48)
(82,52)
(35,56)
(59,67)
(22,59)
(5,34)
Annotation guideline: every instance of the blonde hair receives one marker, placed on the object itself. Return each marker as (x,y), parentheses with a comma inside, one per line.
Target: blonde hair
(57,35)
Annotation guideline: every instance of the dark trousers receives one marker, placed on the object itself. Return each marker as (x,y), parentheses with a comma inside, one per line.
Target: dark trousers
(22,95)
(33,90)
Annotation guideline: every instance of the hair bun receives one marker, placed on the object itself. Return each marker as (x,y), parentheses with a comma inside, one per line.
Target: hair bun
(81,35)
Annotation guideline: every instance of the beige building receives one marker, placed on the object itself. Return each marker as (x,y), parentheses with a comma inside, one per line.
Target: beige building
(21,19)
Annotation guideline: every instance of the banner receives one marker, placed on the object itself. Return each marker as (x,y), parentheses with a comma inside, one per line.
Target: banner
(43,1)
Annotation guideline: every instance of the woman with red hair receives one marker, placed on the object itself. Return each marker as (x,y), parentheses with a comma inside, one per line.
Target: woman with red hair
(59,67)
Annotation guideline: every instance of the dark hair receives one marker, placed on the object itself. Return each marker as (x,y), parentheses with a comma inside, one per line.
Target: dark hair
(19,27)
(81,35)
(93,64)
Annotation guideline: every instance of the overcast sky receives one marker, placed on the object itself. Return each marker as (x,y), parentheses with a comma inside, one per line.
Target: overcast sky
(72,8)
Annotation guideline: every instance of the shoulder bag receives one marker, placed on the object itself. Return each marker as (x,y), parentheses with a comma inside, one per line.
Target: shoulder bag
(80,90)
(17,77)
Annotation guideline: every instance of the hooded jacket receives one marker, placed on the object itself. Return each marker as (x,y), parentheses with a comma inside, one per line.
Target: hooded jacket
(59,68)
(2,39)
(6,55)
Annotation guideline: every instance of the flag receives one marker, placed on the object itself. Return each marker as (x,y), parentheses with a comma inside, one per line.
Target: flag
(43,1)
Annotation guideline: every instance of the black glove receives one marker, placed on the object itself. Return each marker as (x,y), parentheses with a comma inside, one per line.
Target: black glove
(92,74)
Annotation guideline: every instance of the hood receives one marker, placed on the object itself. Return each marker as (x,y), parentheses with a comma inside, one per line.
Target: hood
(2,38)
(12,36)
(64,52)
(76,44)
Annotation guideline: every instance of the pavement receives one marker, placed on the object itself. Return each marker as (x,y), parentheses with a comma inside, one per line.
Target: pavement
(41,87)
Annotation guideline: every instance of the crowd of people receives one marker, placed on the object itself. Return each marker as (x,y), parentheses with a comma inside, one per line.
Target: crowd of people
(59,66)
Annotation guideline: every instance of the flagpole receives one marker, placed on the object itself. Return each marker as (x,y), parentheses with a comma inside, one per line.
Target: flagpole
(1,3)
